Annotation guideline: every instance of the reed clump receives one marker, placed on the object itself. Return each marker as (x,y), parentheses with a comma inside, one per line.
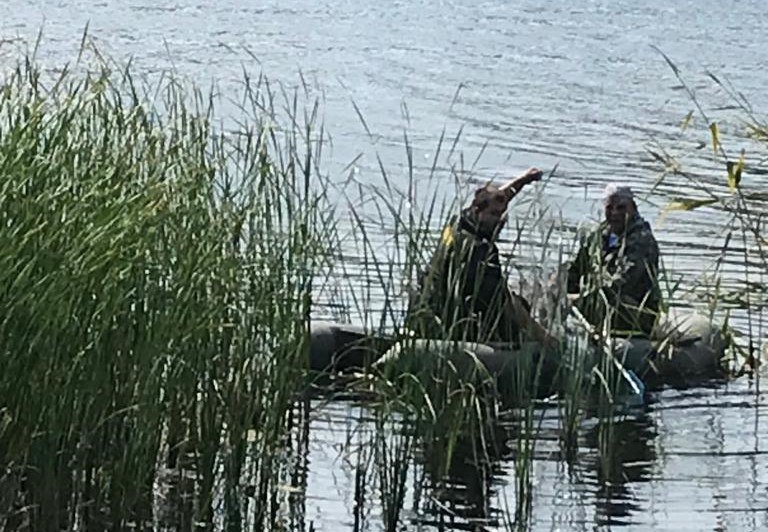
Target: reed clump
(157,277)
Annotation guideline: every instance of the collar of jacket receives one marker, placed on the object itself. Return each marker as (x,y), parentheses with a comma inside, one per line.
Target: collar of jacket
(468,223)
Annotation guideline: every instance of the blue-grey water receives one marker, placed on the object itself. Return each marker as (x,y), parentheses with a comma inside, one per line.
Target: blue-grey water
(580,85)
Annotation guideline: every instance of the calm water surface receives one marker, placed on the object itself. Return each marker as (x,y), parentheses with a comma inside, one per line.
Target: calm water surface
(579,85)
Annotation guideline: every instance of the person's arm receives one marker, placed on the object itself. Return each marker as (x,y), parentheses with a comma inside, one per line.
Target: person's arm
(514,185)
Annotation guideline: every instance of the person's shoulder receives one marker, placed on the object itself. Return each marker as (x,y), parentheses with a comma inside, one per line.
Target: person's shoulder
(644,229)
(641,233)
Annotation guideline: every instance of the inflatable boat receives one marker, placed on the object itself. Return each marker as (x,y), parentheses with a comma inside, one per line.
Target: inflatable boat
(685,348)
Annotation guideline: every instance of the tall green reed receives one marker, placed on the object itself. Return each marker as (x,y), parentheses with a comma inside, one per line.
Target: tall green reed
(396,225)
(450,400)
(157,273)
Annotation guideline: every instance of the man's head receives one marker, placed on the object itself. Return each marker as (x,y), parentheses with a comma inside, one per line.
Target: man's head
(620,206)
(489,207)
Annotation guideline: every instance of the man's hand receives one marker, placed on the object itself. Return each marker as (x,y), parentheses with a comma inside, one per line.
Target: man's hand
(513,186)
(532,175)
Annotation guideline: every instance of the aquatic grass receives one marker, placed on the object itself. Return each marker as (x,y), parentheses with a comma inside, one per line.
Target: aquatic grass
(393,454)
(448,399)
(732,186)
(419,389)
(176,327)
(440,405)
(591,384)
(157,276)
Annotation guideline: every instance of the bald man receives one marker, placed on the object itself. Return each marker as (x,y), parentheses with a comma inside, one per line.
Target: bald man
(464,294)
(617,266)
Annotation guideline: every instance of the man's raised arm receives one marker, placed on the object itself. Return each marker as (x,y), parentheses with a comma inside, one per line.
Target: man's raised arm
(514,185)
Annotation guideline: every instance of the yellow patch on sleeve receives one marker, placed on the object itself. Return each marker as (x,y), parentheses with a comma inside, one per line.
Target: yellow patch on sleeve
(448,235)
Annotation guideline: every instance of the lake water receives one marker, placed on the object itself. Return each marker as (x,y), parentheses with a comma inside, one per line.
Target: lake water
(578,85)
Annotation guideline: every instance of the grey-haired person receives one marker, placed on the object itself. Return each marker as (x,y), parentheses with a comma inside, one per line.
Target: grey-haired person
(615,272)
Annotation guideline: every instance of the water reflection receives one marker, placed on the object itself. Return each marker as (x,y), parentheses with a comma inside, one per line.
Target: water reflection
(623,453)
(463,499)
(615,456)
(299,465)
(654,469)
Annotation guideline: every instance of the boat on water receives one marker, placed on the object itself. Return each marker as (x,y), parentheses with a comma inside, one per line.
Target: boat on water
(686,348)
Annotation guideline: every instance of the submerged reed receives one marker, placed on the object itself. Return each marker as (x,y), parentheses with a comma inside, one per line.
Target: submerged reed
(443,395)
(450,405)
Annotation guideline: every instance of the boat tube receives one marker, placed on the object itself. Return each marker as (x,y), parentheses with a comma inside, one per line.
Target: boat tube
(337,347)
(684,349)
(515,371)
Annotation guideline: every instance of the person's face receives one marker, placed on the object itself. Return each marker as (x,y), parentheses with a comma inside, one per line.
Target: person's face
(491,211)
(618,211)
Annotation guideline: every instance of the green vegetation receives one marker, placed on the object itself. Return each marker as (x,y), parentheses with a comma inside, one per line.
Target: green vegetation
(156,276)
(734,185)
(453,405)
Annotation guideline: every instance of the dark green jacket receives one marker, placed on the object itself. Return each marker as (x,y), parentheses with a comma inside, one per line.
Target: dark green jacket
(625,269)
(464,295)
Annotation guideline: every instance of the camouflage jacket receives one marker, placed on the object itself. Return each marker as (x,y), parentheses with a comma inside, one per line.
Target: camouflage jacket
(463,295)
(624,266)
